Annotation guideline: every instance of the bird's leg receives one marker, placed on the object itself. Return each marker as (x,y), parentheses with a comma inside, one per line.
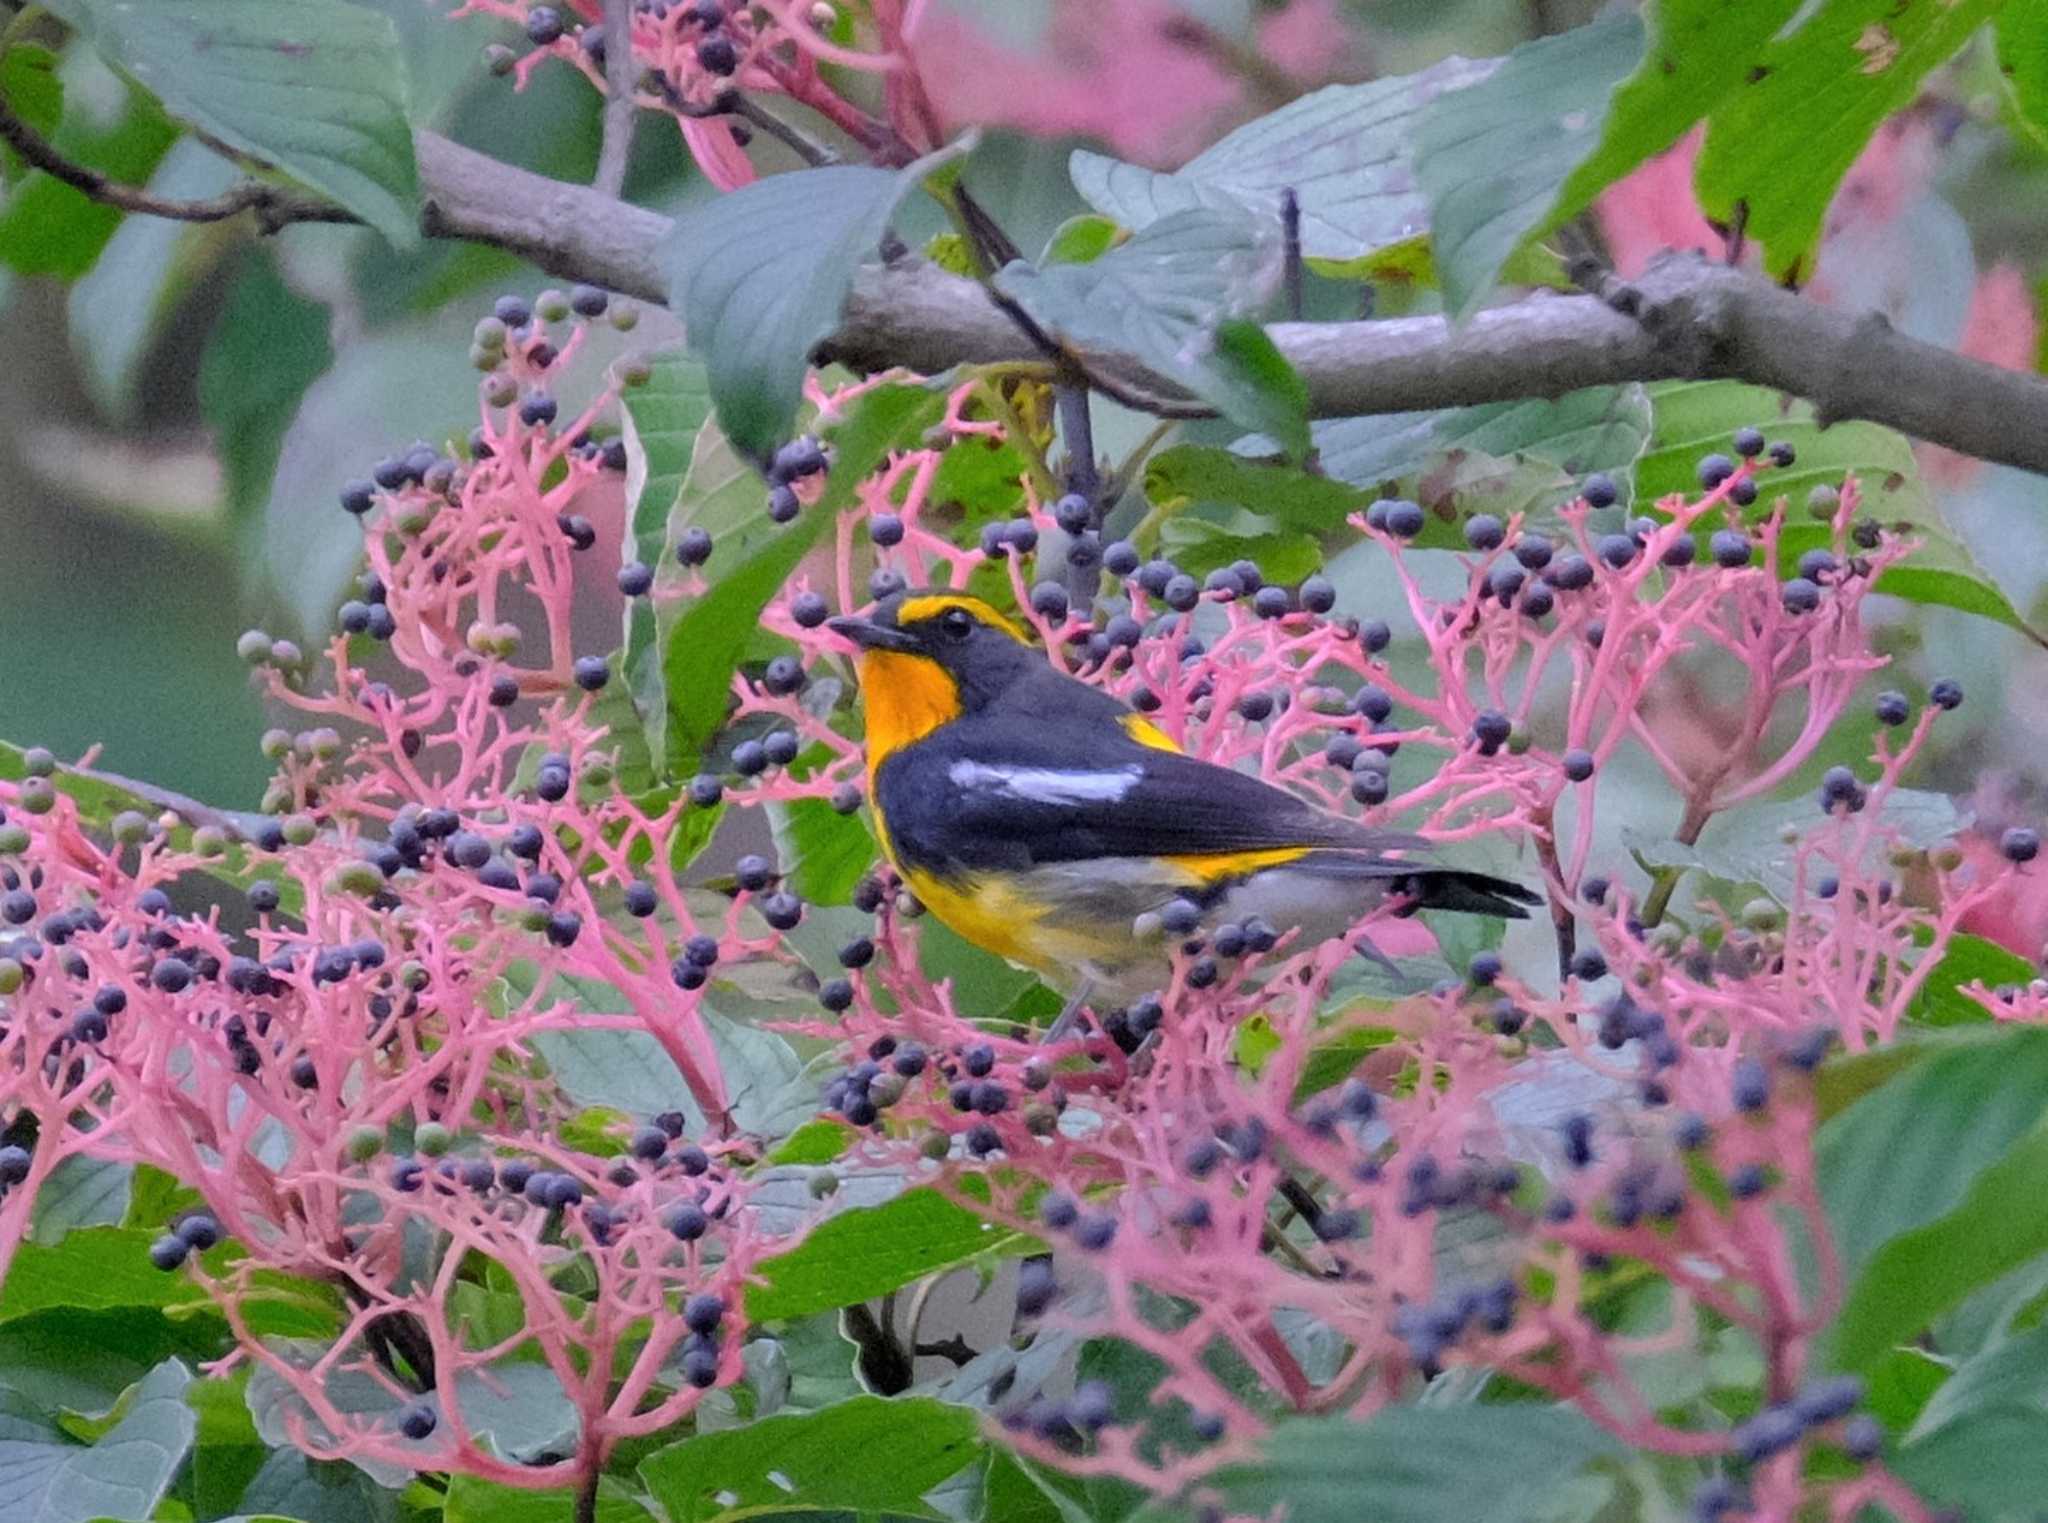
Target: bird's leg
(1067,1017)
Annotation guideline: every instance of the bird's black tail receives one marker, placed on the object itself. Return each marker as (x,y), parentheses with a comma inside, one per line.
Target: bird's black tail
(1428,887)
(1470,893)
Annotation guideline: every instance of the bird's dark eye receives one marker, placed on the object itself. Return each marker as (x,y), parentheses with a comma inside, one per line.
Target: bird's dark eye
(957,623)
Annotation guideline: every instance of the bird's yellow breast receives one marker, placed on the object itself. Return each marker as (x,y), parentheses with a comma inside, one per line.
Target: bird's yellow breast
(907,696)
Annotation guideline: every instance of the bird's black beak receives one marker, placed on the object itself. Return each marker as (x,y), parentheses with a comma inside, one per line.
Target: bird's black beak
(869,635)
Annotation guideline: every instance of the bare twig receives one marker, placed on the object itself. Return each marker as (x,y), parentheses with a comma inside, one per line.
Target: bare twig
(739,103)
(620,113)
(273,205)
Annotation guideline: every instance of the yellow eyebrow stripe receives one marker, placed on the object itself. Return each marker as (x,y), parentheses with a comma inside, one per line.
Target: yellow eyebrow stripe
(1146,733)
(930,606)
(1216,867)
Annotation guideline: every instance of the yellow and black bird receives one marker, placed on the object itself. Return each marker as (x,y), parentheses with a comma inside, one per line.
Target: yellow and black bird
(1045,821)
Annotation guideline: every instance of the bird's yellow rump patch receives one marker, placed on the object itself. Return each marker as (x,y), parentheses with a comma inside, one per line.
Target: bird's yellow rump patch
(908,696)
(932,604)
(1146,733)
(1221,866)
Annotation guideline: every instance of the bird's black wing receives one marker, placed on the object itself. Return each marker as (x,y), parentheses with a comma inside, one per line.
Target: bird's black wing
(1065,781)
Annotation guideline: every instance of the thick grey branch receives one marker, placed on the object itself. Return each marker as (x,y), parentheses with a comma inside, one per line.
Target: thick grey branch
(1685,318)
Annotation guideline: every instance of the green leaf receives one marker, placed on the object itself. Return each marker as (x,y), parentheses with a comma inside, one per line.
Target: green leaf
(1502,457)
(288,1484)
(761,274)
(33,92)
(1697,51)
(47,227)
(1478,1464)
(1081,240)
(1345,151)
(47,1477)
(1905,1167)
(814,1142)
(2011,1372)
(703,647)
(268,345)
(63,1360)
(1694,418)
(1269,395)
(2001,1223)
(1967,959)
(1494,157)
(1779,144)
(664,420)
(82,1191)
(868,1251)
(473,1501)
(1991,1469)
(2023,63)
(92,1269)
(315,87)
(625,1070)
(1198,473)
(864,1455)
(823,852)
(1161,298)
(1198,547)
(1750,844)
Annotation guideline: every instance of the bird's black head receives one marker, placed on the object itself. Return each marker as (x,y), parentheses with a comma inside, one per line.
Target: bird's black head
(930,656)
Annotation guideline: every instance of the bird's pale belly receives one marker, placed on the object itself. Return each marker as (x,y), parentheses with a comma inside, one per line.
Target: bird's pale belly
(1094,922)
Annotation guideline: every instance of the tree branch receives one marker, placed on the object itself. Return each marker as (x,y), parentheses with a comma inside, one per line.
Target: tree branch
(1686,318)
(620,111)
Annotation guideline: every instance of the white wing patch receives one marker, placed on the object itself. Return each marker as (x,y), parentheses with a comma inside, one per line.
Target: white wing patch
(1047,785)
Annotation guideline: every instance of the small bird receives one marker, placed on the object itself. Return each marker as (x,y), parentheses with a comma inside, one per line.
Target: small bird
(1047,822)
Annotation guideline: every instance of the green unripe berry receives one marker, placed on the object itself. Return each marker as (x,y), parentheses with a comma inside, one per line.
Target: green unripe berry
(635,372)
(1040,1119)
(324,743)
(210,841)
(37,796)
(415,519)
(531,917)
(430,1139)
(597,771)
(299,829)
(1947,858)
(11,975)
(1519,741)
(130,827)
(38,762)
(253,647)
(413,974)
(1762,915)
(364,1143)
(359,878)
(935,1146)
(285,653)
(624,316)
(500,390)
(486,360)
(276,744)
(824,1184)
(489,334)
(13,840)
(1822,502)
(886,1090)
(551,306)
